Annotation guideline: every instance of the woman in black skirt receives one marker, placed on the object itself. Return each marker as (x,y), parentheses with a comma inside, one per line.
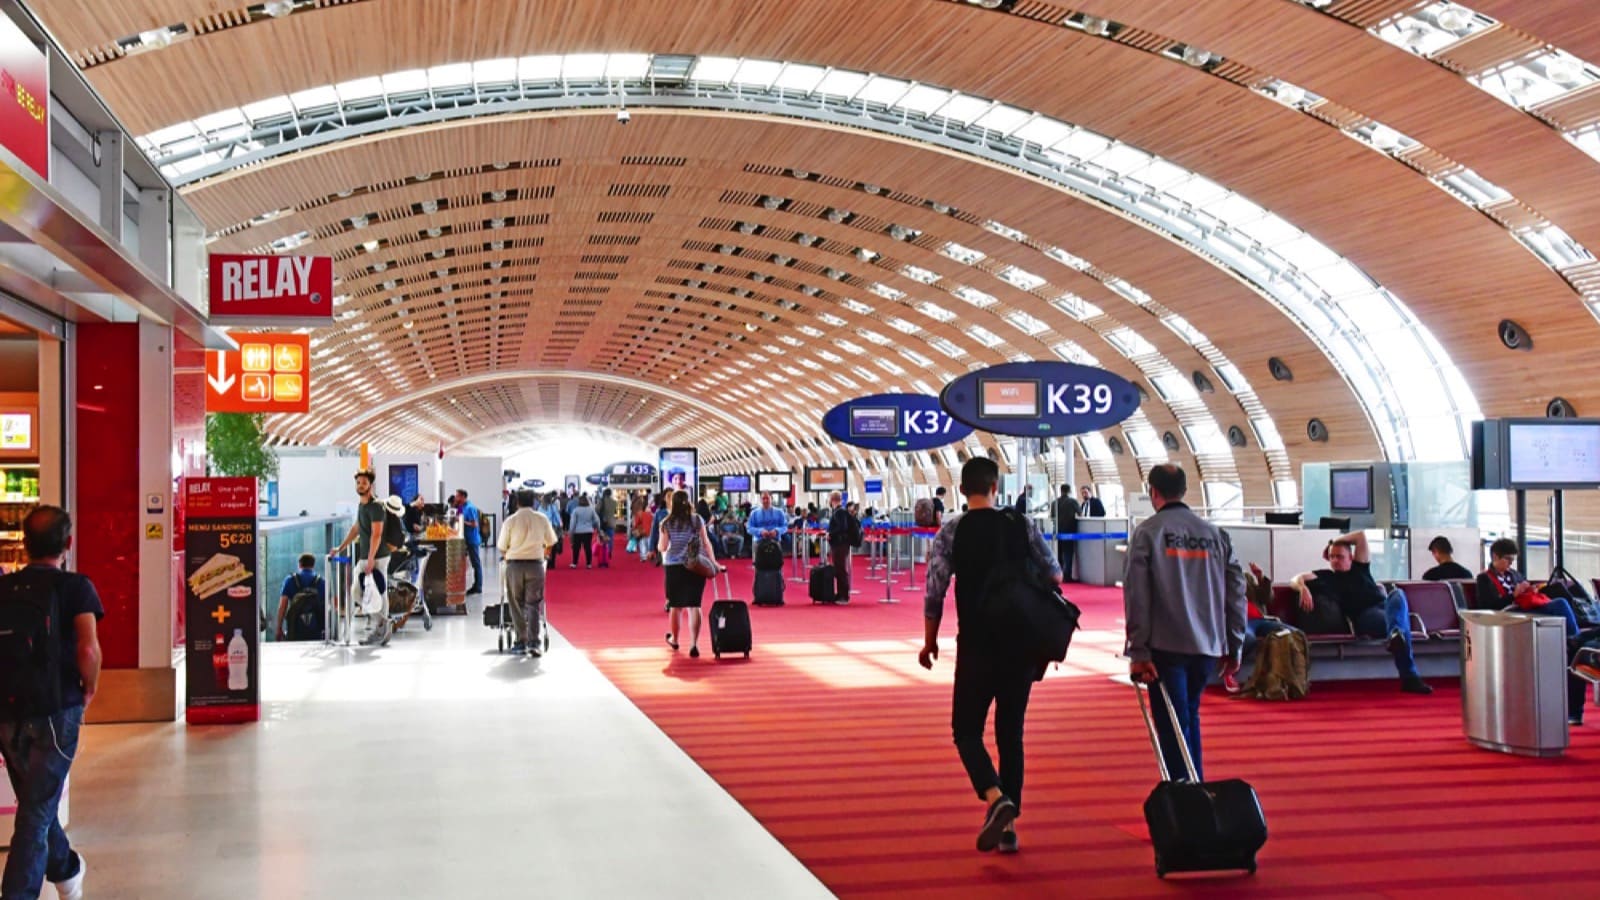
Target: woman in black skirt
(684,588)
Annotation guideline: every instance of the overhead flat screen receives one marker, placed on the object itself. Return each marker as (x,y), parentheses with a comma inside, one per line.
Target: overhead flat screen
(874,422)
(774,482)
(1351,490)
(735,484)
(825,479)
(1552,453)
(679,468)
(1007,399)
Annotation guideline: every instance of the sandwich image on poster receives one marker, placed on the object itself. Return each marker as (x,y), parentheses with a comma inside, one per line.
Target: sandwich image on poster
(221,571)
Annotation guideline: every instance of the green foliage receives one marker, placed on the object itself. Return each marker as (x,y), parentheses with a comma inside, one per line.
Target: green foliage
(236,445)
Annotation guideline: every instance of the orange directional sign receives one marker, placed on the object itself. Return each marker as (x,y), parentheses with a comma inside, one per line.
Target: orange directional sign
(269,373)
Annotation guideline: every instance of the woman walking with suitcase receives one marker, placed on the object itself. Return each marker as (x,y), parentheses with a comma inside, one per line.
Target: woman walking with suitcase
(684,588)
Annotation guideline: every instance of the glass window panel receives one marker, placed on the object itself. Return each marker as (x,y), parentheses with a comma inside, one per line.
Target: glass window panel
(888,366)
(961,254)
(946,347)
(1043,131)
(1094,445)
(714,69)
(1272,230)
(974,296)
(1206,438)
(1266,433)
(916,273)
(1082,144)
(964,109)
(758,72)
(1235,210)
(1145,444)
(1198,191)
(1004,119)
(583,66)
(1123,159)
(935,311)
(453,75)
(407,82)
(537,69)
(317,98)
(1026,323)
(984,336)
(1160,174)
(228,118)
(1286,492)
(174,133)
(628,65)
(1372,313)
(901,325)
(1129,342)
(841,84)
(831,319)
(856,306)
(1341,278)
(1173,386)
(923,99)
(1021,278)
(915,358)
(800,78)
(882,90)
(492,71)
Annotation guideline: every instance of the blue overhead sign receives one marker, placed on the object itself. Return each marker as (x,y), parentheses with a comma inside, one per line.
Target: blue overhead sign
(596,479)
(874,485)
(1033,399)
(893,422)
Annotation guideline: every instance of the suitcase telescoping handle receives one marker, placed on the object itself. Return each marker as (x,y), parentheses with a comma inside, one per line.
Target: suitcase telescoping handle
(727,584)
(1177,731)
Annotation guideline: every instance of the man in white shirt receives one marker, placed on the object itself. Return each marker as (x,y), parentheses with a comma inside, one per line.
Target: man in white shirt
(526,539)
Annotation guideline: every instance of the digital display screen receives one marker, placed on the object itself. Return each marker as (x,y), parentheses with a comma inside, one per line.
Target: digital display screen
(774,482)
(1548,454)
(1352,490)
(735,484)
(824,479)
(679,468)
(403,481)
(874,421)
(1008,399)
(16,431)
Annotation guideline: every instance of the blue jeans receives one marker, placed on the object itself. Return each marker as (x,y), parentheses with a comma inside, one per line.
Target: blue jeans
(1184,675)
(1394,616)
(38,754)
(474,556)
(1558,606)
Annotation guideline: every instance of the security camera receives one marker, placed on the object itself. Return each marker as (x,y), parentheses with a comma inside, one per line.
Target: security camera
(623,117)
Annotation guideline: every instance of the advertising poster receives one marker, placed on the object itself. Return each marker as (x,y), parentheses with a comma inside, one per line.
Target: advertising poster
(572,484)
(220,603)
(680,469)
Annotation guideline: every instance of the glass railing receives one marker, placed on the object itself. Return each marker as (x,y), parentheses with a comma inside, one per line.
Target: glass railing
(278,551)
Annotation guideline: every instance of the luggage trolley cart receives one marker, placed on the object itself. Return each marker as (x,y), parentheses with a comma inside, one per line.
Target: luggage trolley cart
(499,617)
(405,593)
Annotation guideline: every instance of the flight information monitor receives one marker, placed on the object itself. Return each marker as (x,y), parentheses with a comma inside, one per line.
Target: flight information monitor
(735,484)
(1006,399)
(774,482)
(1351,490)
(874,421)
(818,480)
(1552,454)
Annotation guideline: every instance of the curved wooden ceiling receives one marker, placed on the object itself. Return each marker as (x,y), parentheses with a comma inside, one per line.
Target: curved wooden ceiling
(1459,271)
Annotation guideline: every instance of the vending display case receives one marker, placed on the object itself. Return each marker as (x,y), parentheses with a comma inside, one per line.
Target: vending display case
(19,493)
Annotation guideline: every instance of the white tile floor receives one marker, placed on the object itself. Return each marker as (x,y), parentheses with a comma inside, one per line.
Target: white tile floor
(433,768)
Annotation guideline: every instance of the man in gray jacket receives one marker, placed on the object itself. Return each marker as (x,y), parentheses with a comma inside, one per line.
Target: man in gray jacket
(1185,608)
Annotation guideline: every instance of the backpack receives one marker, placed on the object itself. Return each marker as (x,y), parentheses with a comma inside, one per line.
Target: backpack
(394,531)
(304,619)
(923,514)
(1023,609)
(30,646)
(856,535)
(1562,584)
(1283,667)
(768,556)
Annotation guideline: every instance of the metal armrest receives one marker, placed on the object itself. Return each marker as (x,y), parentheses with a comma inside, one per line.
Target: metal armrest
(1418,629)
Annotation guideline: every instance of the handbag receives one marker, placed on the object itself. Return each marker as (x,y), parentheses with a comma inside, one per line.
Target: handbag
(372,601)
(695,558)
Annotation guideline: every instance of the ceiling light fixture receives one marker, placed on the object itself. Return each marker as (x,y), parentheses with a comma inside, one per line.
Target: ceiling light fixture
(278,8)
(771,202)
(1195,56)
(836,215)
(497,196)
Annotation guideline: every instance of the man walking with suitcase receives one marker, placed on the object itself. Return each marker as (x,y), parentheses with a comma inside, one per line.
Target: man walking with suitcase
(1185,609)
(990,668)
(844,531)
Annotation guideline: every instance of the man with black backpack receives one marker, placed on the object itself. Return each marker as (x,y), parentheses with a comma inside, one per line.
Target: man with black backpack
(844,534)
(301,604)
(49,670)
(991,667)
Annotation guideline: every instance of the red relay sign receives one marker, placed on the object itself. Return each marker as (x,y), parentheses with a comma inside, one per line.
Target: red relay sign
(269,373)
(270,290)
(24,98)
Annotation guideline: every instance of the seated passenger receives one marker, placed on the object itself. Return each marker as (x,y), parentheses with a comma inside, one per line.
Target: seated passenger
(1504,582)
(1373,613)
(1447,569)
(1258,623)
(732,535)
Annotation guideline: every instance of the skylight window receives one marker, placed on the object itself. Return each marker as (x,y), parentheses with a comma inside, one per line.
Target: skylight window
(1005,231)
(873,336)
(915,358)
(1129,342)
(1021,278)
(1094,445)
(1206,438)
(536,69)
(1042,131)
(1076,307)
(1026,323)
(760,73)
(1266,433)
(809,331)
(923,99)
(883,91)
(965,109)
(946,347)
(849,346)
(984,336)
(800,78)
(901,325)
(888,366)
(1173,386)
(1066,259)
(791,340)
(856,306)
(935,311)
(832,319)
(975,297)
(1127,291)
(1004,119)
(840,378)
(916,273)
(714,69)
(964,255)
(841,83)
(1145,443)
(886,292)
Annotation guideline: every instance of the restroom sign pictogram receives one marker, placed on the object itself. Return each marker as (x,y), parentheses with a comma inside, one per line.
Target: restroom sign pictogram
(269,373)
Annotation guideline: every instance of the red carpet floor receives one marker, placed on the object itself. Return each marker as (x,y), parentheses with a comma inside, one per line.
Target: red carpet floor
(834,738)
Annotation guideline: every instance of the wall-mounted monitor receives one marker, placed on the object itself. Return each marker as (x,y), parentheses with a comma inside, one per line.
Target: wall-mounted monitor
(1351,490)
(1008,398)
(1283,518)
(874,421)
(824,479)
(735,484)
(1551,454)
(774,482)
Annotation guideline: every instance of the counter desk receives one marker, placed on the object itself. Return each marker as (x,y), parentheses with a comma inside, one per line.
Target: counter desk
(444,576)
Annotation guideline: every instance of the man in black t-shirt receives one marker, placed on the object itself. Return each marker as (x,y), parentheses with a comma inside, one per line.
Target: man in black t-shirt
(988,669)
(39,745)
(1066,516)
(938,506)
(1372,612)
(370,560)
(1447,569)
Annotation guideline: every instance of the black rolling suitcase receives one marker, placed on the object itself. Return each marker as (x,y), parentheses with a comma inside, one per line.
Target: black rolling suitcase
(768,588)
(768,556)
(1215,826)
(730,622)
(822,584)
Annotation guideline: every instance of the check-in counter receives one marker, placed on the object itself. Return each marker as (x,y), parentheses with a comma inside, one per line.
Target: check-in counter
(444,575)
(1102,555)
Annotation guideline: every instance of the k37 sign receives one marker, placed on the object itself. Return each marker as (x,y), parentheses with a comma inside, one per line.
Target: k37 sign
(1033,399)
(893,422)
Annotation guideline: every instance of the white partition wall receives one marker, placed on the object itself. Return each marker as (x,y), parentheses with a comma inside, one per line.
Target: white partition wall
(1282,551)
(319,485)
(1465,541)
(481,477)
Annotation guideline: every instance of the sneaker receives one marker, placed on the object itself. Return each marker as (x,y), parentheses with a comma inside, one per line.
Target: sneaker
(72,888)
(1008,842)
(1415,685)
(1588,671)
(1575,721)
(1230,683)
(535,652)
(1002,812)
(519,647)
(1397,641)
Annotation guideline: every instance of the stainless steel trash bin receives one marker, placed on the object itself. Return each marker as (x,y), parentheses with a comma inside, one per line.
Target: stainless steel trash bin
(1514,682)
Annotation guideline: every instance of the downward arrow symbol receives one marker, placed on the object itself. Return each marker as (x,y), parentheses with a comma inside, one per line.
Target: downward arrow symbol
(221,382)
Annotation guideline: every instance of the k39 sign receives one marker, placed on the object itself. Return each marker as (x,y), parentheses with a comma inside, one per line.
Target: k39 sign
(1031,399)
(893,422)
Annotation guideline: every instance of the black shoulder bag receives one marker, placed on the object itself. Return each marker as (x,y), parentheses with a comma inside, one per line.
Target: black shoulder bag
(1023,608)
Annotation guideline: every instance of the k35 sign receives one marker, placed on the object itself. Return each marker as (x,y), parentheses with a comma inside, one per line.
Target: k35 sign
(894,422)
(1034,399)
